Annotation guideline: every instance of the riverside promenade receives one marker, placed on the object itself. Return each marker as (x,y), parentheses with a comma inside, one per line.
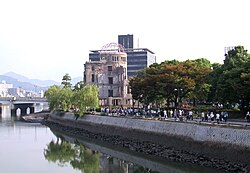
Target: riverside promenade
(223,147)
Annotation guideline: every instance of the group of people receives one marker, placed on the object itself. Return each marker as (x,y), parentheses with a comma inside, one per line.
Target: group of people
(209,116)
(119,111)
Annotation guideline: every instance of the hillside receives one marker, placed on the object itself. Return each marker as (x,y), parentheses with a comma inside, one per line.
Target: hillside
(24,85)
(38,82)
(31,84)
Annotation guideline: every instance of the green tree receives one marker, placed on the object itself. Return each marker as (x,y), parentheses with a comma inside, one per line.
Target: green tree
(198,70)
(161,82)
(233,78)
(53,95)
(136,85)
(86,97)
(157,83)
(66,99)
(59,98)
(66,81)
(91,96)
(213,78)
(79,85)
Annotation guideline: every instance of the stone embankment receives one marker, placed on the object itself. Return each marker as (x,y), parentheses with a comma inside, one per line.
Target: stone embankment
(37,117)
(219,147)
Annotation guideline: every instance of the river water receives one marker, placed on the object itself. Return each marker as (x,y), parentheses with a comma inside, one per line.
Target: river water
(35,148)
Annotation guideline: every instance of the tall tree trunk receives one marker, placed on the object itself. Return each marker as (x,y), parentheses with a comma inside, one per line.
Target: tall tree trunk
(194,102)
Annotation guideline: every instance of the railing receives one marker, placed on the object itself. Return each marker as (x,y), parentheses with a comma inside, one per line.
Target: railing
(13,99)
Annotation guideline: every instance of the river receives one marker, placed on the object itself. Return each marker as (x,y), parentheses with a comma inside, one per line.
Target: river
(35,148)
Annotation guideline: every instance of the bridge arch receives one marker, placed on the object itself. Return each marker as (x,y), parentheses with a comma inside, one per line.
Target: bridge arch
(28,110)
(25,109)
(18,112)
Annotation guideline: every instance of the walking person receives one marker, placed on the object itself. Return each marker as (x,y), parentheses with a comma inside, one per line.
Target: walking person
(212,116)
(202,116)
(208,117)
(217,116)
(225,117)
(190,114)
(165,114)
(222,116)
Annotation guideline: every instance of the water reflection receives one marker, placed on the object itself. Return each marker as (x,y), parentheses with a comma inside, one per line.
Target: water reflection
(86,160)
(89,157)
(5,111)
(79,157)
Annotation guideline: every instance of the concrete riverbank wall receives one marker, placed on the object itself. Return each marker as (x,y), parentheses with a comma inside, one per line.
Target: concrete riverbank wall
(127,156)
(212,141)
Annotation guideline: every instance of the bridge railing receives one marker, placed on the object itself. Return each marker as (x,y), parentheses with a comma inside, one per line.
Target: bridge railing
(11,99)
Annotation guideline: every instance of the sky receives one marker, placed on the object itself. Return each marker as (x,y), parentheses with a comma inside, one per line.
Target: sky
(45,39)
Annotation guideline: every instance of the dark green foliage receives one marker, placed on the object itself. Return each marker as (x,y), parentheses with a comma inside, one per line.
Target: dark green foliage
(66,81)
(233,78)
(160,82)
(197,81)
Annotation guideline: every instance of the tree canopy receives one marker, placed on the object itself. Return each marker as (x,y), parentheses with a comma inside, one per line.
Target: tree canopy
(196,80)
(80,98)
(171,80)
(231,80)
(66,81)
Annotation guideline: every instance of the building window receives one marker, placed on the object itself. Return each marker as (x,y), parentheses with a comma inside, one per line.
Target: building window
(114,58)
(93,78)
(84,78)
(109,68)
(110,93)
(128,90)
(110,80)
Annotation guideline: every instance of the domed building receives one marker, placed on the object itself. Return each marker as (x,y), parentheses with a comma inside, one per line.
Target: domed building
(110,75)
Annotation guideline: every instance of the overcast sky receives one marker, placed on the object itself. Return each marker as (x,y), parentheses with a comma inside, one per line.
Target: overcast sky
(47,38)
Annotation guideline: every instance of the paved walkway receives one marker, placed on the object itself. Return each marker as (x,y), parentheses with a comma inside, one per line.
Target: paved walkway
(230,122)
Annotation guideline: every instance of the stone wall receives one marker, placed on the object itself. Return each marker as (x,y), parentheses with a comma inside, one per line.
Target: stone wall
(195,132)
(212,141)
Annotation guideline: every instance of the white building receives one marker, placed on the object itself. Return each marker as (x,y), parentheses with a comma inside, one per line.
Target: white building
(4,89)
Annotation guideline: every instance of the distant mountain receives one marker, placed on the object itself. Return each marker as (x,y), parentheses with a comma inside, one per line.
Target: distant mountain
(24,85)
(32,84)
(37,82)
(16,76)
